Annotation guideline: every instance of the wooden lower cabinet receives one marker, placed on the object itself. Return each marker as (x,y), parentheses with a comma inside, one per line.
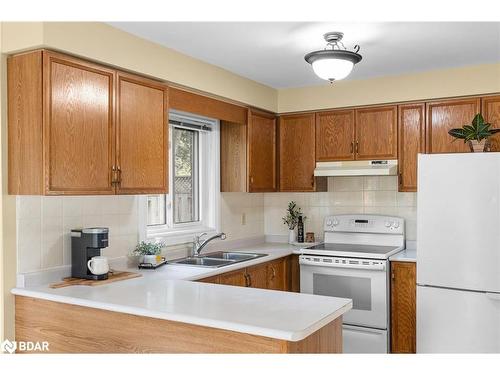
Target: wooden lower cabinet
(235,278)
(275,275)
(403,307)
(257,276)
(78,329)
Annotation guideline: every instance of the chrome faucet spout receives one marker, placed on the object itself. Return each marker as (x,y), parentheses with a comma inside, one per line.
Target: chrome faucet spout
(198,246)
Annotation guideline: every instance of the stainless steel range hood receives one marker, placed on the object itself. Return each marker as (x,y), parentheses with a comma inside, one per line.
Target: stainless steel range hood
(357,168)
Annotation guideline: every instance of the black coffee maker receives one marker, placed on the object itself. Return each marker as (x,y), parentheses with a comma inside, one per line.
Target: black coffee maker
(85,244)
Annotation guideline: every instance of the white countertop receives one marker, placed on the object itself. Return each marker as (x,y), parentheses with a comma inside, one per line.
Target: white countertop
(167,293)
(408,255)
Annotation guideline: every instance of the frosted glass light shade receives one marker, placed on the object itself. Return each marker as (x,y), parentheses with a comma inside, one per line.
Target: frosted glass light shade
(332,69)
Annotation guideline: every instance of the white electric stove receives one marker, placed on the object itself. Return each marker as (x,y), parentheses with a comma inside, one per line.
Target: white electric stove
(353,263)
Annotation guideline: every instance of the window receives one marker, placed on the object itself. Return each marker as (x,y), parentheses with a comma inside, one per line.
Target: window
(192,203)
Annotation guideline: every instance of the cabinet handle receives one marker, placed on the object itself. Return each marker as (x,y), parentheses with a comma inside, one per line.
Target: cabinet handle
(352,147)
(114,179)
(274,273)
(247,281)
(251,180)
(400,179)
(357,147)
(393,277)
(312,180)
(119,170)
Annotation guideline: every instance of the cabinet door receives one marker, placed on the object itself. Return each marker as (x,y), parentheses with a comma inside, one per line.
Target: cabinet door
(235,278)
(490,109)
(297,152)
(335,135)
(211,280)
(411,141)
(261,152)
(293,273)
(445,115)
(403,307)
(78,126)
(376,133)
(257,276)
(142,135)
(276,275)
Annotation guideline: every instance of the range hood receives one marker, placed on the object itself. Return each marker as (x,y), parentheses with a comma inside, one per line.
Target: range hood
(357,168)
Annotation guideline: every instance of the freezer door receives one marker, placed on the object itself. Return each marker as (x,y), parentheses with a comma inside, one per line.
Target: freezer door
(453,321)
(458,221)
(364,340)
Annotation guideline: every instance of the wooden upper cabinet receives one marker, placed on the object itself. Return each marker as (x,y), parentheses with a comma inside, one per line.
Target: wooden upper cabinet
(490,109)
(403,307)
(411,140)
(376,133)
(261,152)
(141,135)
(78,126)
(73,125)
(297,152)
(335,135)
(233,157)
(445,115)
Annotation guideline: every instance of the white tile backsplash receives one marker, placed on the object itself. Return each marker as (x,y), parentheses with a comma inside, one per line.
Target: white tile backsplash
(345,195)
(44,225)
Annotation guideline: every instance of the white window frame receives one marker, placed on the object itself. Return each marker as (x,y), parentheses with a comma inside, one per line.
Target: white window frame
(209,183)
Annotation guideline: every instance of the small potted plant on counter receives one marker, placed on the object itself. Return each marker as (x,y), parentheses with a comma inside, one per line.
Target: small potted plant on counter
(476,134)
(150,251)
(291,220)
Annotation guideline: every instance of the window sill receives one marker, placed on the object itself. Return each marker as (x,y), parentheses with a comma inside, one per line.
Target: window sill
(178,237)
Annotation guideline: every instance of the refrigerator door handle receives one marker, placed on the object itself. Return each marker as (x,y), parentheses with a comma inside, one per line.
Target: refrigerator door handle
(494,296)
(371,331)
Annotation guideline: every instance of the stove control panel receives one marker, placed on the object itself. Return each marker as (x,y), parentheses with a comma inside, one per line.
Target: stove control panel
(363,223)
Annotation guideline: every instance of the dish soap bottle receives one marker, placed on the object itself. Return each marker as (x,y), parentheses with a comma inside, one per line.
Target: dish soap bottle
(300,230)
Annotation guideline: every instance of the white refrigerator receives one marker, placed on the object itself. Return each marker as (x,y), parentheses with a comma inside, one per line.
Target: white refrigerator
(458,253)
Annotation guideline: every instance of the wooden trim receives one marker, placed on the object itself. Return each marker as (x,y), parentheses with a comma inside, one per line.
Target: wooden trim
(77,329)
(203,105)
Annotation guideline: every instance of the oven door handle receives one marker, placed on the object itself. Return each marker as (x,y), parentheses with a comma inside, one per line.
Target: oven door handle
(371,267)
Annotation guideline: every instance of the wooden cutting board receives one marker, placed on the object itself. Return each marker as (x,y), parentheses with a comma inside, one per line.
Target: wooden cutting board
(112,277)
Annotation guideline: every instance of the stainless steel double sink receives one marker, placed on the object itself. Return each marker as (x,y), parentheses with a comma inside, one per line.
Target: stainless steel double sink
(217,259)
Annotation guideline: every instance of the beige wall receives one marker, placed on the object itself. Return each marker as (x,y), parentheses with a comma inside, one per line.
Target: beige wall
(103,43)
(7,219)
(471,80)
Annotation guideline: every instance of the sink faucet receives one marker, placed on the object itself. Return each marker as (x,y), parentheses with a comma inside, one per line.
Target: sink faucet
(198,245)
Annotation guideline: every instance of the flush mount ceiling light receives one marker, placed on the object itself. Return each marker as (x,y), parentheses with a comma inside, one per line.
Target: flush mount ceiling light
(335,62)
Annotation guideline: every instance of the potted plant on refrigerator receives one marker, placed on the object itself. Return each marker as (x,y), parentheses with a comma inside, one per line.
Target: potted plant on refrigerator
(291,219)
(476,134)
(150,251)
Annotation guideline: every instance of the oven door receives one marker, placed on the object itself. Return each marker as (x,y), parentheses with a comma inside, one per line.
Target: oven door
(365,281)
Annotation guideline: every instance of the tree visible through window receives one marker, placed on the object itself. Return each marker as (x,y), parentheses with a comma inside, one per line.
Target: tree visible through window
(185,194)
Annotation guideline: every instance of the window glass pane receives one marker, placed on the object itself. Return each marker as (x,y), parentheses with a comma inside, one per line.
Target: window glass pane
(156,209)
(185,194)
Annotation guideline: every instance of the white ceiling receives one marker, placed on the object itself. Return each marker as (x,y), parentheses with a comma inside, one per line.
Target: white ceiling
(273,52)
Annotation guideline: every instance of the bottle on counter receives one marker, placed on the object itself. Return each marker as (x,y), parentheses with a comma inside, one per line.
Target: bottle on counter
(300,230)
